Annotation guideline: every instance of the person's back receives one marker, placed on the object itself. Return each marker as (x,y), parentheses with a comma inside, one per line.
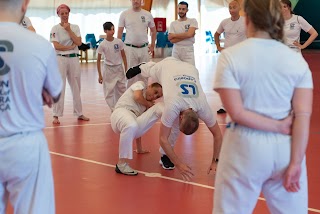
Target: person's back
(268,75)
(29,78)
(23,76)
(172,73)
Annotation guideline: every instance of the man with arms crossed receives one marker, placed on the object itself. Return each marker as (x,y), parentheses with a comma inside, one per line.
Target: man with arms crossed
(181,34)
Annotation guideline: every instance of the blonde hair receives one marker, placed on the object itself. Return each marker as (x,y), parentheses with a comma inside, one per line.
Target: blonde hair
(266,16)
(189,123)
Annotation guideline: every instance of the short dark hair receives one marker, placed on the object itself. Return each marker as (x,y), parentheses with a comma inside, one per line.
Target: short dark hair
(184,3)
(107,26)
(156,85)
(288,3)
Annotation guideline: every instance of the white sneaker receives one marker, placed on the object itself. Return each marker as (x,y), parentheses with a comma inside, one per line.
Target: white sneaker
(125,169)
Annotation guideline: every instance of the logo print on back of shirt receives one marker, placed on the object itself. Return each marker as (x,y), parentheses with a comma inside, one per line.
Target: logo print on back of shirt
(143,19)
(5,46)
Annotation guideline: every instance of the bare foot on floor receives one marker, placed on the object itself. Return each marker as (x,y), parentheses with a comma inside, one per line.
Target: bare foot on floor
(56,120)
(84,118)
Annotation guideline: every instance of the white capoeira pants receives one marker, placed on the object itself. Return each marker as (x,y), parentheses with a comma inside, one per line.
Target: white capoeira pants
(252,162)
(135,56)
(69,69)
(148,71)
(25,174)
(184,53)
(130,126)
(114,84)
(174,134)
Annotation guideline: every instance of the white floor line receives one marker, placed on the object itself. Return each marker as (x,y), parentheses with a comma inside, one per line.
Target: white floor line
(99,124)
(157,176)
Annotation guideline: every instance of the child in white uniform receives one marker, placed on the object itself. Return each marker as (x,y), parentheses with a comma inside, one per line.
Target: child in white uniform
(181,34)
(292,28)
(66,38)
(26,180)
(113,78)
(134,114)
(258,154)
(185,102)
(137,21)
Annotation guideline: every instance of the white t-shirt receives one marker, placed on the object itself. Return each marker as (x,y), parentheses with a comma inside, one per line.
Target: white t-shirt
(181,90)
(25,22)
(111,51)
(182,27)
(292,28)
(235,31)
(60,35)
(127,99)
(266,81)
(28,67)
(136,24)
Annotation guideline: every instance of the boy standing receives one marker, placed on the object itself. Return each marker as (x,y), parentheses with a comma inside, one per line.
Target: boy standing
(113,78)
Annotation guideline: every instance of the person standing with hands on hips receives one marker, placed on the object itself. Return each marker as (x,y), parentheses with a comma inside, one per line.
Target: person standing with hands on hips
(66,38)
(292,28)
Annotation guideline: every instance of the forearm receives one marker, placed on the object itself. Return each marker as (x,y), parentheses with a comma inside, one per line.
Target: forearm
(60,47)
(217,141)
(124,58)
(300,135)
(142,101)
(311,38)
(76,40)
(120,32)
(165,145)
(256,121)
(217,41)
(182,36)
(153,37)
(99,67)
(175,40)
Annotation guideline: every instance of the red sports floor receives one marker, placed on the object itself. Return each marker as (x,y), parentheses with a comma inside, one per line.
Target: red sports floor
(84,155)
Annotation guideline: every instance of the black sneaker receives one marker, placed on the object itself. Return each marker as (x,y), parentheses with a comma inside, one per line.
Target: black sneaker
(166,163)
(221,111)
(134,71)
